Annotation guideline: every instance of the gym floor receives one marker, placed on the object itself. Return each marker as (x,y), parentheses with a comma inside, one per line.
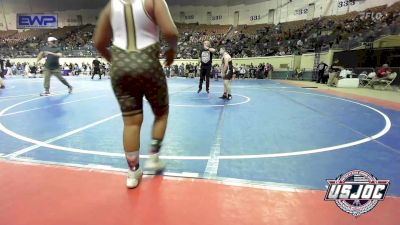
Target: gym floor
(261,158)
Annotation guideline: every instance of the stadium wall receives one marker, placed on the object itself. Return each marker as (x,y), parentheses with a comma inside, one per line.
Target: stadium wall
(250,13)
(258,13)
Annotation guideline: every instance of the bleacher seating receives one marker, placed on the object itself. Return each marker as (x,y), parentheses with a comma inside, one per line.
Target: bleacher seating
(343,31)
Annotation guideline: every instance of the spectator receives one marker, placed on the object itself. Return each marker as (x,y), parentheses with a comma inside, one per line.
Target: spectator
(334,71)
(167,71)
(27,70)
(1,67)
(297,37)
(299,43)
(321,70)
(9,68)
(242,71)
(384,71)
(182,69)
(270,69)
(299,73)
(260,71)
(76,69)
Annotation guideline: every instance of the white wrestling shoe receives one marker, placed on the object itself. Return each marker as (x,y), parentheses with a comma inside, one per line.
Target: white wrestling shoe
(154,163)
(45,93)
(133,178)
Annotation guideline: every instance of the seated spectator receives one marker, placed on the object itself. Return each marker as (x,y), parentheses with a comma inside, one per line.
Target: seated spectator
(344,73)
(384,71)
(76,70)
(295,37)
(299,43)
(242,71)
(298,73)
(66,70)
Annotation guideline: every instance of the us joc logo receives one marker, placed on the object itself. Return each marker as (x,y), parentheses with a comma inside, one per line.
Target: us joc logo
(356,192)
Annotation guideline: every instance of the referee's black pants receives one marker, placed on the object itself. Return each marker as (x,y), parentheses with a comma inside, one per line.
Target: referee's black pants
(205,74)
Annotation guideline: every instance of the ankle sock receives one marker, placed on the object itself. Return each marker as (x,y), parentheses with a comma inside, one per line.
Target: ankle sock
(155,146)
(132,158)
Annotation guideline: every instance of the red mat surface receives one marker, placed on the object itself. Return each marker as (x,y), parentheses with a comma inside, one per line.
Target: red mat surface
(47,195)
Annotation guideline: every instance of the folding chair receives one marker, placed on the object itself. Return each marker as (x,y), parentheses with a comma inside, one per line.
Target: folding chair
(366,80)
(387,81)
(363,79)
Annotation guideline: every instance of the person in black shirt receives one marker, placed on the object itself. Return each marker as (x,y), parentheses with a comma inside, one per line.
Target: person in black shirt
(96,68)
(2,86)
(9,68)
(321,70)
(34,69)
(206,62)
(261,68)
(103,69)
(1,68)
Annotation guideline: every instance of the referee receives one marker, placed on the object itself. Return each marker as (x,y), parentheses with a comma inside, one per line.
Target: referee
(206,56)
